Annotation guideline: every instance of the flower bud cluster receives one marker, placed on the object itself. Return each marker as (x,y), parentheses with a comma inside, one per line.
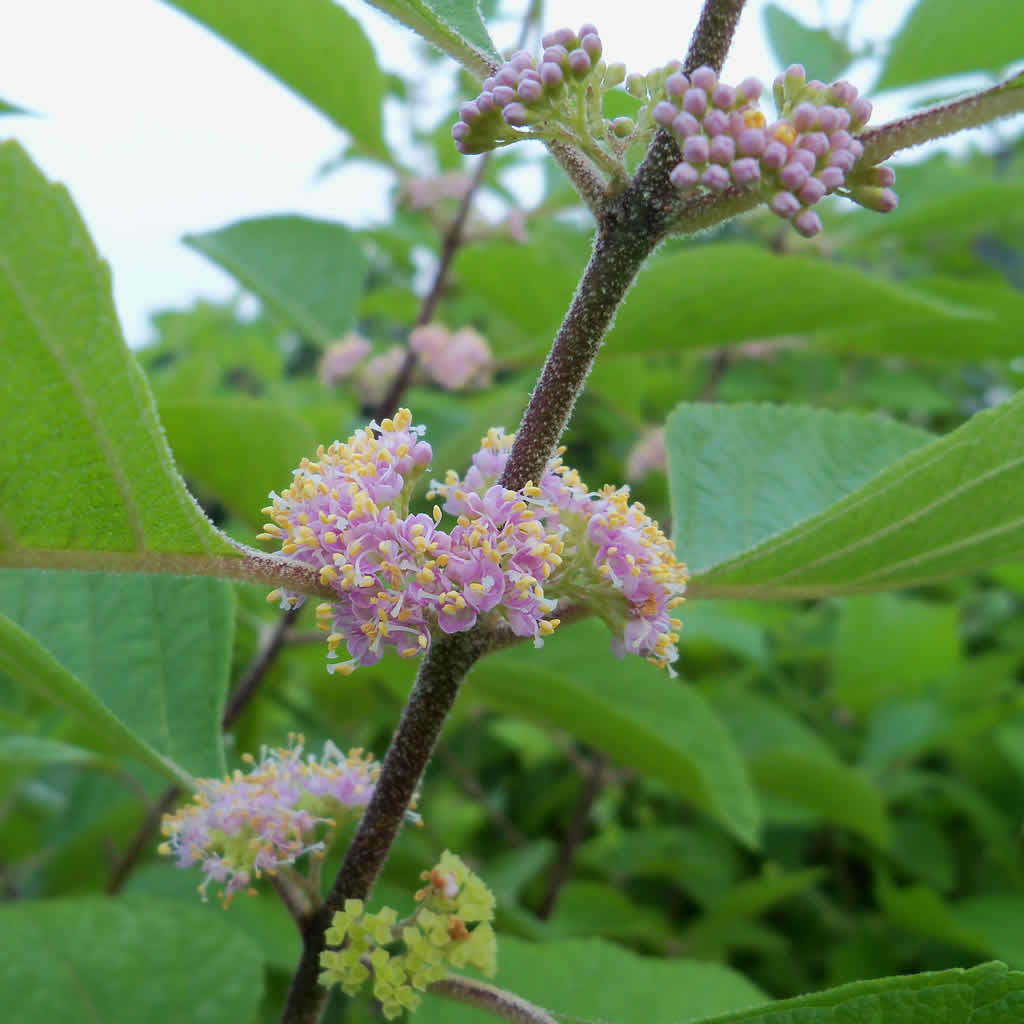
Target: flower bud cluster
(456,361)
(810,152)
(283,807)
(523,92)
(510,558)
(437,935)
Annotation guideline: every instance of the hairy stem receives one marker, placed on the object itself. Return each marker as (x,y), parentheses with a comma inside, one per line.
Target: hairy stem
(257,668)
(433,694)
(631,226)
(1000,101)
(713,35)
(135,850)
(562,869)
(449,247)
(496,1001)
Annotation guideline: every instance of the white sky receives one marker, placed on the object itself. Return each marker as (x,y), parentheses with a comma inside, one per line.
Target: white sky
(159,129)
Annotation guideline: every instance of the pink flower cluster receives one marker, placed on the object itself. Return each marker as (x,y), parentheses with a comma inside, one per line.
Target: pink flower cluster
(255,822)
(456,360)
(522,91)
(807,154)
(511,556)
(342,357)
(647,455)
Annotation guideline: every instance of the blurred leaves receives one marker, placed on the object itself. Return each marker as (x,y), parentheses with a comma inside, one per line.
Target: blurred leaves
(940,38)
(823,54)
(309,273)
(629,710)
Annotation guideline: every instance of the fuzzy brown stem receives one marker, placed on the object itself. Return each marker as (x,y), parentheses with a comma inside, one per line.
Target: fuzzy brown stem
(433,694)
(496,1001)
(713,35)
(1000,101)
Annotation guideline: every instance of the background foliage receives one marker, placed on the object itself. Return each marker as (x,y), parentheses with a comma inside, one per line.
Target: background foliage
(833,789)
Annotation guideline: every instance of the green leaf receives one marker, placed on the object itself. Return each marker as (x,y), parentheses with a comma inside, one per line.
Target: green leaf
(796,772)
(951,507)
(86,478)
(725,294)
(547,270)
(310,273)
(944,37)
(986,994)
(453,26)
(39,752)
(154,651)
(594,980)
(890,647)
(835,792)
(101,960)
(10,108)
(315,48)
(212,442)
(822,54)
(921,911)
(997,916)
(742,473)
(630,710)
(28,663)
(748,899)
(593,908)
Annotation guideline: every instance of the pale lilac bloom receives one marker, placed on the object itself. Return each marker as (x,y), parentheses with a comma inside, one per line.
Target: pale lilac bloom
(647,455)
(342,357)
(455,361)
(257,821)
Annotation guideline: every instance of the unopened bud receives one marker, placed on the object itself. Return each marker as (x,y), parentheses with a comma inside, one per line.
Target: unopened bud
(614,74)
(636,86)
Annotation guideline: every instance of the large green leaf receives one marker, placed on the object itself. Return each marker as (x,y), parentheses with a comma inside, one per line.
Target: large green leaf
(593,980)
(742,473)
(945,37)
(213,441)
(86,478)
(950,507)
(142,961)
(704,296)
(724,294)
(630,710)
(889,647)
(987,994)
(453,26)
(547,270)
(154,650)
(10,108)
(27,663)
(310,273)
(312,46)
(823,55)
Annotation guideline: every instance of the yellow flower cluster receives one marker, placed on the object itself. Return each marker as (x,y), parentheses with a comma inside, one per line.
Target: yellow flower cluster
(435,936)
